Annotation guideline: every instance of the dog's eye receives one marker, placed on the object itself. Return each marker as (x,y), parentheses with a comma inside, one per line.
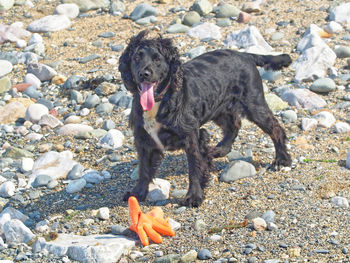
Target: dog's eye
(156,58)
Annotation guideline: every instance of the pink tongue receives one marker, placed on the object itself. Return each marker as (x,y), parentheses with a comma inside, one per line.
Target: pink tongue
(147,99)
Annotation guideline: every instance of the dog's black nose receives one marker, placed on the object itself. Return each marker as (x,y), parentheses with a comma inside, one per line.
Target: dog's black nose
(145,74)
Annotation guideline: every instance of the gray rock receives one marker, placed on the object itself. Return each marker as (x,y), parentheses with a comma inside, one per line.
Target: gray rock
(35,111)
(178,193)
(269,216)
(17,153)
(73,129)
(271,75)
(117,7)
(5,67)
(15,231)
(223,22)
(113,139)
(146,20)
(271,261)
(341,13)
(177,28)
(304,98)
(325,119)
(202,7)
(77,96)
(308,124)
(91,101)
(108,34)
(50,24)
(50,121)
(42,180)
(204,254)
(237,170)
(41,71)
(171,258)
(7,189)
(340,202)
(195,52)
(33,93)
(191,18)
(9,56)
(333,27)
(103,213)
(73,82)
(104,108)
(35,38)
(143,10)
(188,257)
(88,58)
(108,125)
(323,85)
(117,48)
(277,36)
(69,10)
(159,190)
(227,11)
(341,127)
(6,4)
(76,186)
(76,172)
(289,116)
(87,5)
(342,52)
(118,229)
(207,31)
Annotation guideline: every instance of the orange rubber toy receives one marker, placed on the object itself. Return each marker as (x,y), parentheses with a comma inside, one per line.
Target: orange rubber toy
(149,224)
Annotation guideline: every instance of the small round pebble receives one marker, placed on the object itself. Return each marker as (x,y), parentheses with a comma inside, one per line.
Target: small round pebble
(204,254)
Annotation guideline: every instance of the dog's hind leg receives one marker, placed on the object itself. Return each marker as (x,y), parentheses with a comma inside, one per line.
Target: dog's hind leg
(230,124)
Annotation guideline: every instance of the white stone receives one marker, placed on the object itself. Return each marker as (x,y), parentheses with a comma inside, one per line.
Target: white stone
(21,43)
(35,38)
(69,10)
(73,129)
(303,98)
(159,189)
(33,80)
(49,24)
(10,213)
(50,120)
(347,164)
(75,186)
(325,119)
(271,226)
(27,164)
(113,139)
(54,164)
(205,31)
(15,231)
(42,226)
(35,111)
(6,4)
(308,124)
(174,224)
(340,201)
(41,71)
(33,137)
(92,248)
(333,27)
(341,13)
(259,224)
(215,238)
(103,213)
(84,112)
(7,189)
(341,127)
(5,67)
(250,39)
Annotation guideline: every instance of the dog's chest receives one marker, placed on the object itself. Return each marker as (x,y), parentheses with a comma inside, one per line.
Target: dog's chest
(151,125)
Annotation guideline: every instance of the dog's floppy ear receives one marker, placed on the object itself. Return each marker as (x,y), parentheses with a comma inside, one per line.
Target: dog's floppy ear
(125,61)
(171,53)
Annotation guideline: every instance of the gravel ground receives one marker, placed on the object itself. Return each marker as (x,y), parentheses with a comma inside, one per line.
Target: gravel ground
(300,197)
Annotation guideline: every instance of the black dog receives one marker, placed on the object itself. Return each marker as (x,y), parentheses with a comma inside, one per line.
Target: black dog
(173,100)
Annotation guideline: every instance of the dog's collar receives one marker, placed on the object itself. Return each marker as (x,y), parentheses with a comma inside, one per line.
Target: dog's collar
(160,96)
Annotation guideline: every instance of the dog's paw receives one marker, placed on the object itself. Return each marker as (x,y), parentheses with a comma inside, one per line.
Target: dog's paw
(192,200)
(140,194)
(279,164)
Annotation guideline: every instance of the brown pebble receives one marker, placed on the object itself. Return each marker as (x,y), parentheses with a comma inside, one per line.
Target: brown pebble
(21,87)
(244,17)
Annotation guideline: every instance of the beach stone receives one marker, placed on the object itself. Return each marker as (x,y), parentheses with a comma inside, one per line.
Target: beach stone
(106,88)
(244,17)
(103,213)
(342,52)
(341,127)
(195,52)
(323,85)
(325,119)
(202,7)
(91,101)
(170,258)
(15,231)
(117,7)
(251,7)
(226,11)
(92,248)
(76,172)
(35,111)
(5,67)
(54,164)
(108,125)
(204,254)
(7,189)
(191,18)
(50,121)
(121,99)
(26,164)
(69,10)
(188,257)
(72,120)
(259,224)
(35,38)
(277,36)
(205,31)
(73,82)
(177,28)
(248,38)
(289,116)
(104,108)
(146,20)
(13,32)
(73,129)
(75,186)
(159,190)
(237,170)
(8,214)
(49,23)
(333,27)
(17,153)
(143,10)
(174,224)
(41,71)
(11,112)
(308,124)
(41,180)
(9,56)
(87,5)
(113,139)
(341,13)
(347,163)
(118,229)
(93,177)
(340,202)
(5,85)
(223,22)
(275,103)
(303,98)
(77,96)
(269,216)
(33,93)
(6,4)
(32,80)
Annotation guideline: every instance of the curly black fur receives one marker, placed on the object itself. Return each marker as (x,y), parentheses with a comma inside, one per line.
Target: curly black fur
(222,86)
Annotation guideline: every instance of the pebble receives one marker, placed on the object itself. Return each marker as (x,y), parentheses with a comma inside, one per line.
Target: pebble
(259,224)
(277,36)
(341,127)
(226,11)
(91,101)
(103,213)
(269,216)
(93,177)
(202,7)
(223,22)
(118,229)
(35,112)
(7,189)
(205,31)
(323,85)
(49,23)
(113,139)
(69,10)
(159,190)
(341,13)
(204,254)
(177,28)
(6,4)
(271,226)
(342,52)
(41,71)
(244,17)
(168,259)
(143,10)
(75,186)
(76,172)
(195,52)
(5,67)
(340,201)
(15,231)
(237,170)
(108,125)
(188,257)
(191,18)
(325,119)
(333,27)
(304,98)
(289,116)
(73,129)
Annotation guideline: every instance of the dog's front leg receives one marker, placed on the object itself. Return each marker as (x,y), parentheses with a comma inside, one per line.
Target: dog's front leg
(197,168)
(150,159)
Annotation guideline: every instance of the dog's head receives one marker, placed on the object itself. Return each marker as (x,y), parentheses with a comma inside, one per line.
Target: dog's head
(150,67)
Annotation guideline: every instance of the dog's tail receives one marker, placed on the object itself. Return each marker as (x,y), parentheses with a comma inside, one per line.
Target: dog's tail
(271,62)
